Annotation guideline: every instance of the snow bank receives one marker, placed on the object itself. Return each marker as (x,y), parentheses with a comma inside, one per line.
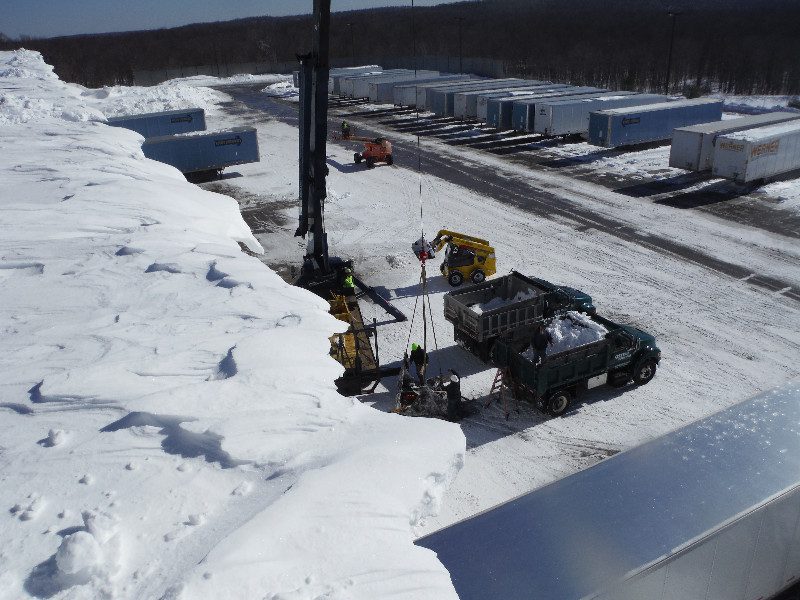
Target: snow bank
(119,100)
(168,422)
(283,89)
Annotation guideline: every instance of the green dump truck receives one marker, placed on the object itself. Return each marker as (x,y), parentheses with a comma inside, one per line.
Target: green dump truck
(507,306)
(619,354)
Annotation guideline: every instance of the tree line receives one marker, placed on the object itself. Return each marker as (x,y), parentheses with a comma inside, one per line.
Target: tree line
(734,46)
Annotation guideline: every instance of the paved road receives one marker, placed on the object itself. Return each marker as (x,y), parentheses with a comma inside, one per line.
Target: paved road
(515,191)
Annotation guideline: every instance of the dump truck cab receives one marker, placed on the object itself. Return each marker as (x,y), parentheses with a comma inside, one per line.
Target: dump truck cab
(465,257)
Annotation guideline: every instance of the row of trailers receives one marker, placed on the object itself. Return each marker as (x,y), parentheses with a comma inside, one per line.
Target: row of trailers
(749,149)
(605,117)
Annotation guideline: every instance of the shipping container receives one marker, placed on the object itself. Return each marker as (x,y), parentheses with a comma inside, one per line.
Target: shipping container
(435,97)
(710,511)
(498,110)
(335,75)
(407,94)
(457,86)
(758,154)
(693,147)
(361,86)
(524,111)
(211,151)
(653,123)
(169,122)
(444,101)
(383,91)
(347,82)
(568,117)
(465,104)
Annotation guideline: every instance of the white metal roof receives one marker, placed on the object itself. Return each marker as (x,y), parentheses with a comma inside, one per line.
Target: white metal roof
(661,105)
(740,122)
(760,133)
(571,538)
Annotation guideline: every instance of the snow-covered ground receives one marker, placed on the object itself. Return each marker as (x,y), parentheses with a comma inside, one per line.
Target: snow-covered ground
(168,423)
(169,426)
(722,339)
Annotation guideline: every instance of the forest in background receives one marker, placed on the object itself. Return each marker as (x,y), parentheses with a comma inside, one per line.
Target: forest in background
(734,46)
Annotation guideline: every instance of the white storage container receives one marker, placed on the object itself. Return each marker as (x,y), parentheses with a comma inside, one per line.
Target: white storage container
(760,153)
(693,147)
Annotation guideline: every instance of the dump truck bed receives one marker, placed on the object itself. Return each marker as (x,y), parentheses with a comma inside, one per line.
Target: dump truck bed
(507,303)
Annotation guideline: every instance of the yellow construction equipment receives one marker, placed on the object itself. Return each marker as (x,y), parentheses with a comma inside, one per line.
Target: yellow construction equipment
(465,256)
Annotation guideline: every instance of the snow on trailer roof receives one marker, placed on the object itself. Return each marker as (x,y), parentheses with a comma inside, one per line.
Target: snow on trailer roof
(574,537)
(197,134)
(752,120)
(760,133)
(660,106)
(160,113)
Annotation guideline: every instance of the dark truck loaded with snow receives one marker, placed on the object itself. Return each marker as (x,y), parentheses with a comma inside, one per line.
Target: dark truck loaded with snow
(585,351)
(507,306)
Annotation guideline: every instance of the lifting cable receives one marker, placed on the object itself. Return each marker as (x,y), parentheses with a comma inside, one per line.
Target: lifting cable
(423,276)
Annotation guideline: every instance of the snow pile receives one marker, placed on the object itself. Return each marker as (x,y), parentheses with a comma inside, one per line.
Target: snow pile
(168,419)
(573,330)
(499,302)
(283,89)
(756,104)
(25,93)
(119,100)
(242,78)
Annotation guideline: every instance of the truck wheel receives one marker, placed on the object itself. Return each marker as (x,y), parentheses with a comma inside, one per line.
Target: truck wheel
(357,157)
(478,276)
(370,162)
(558,403)
(644,372)
(389,159)
(456,278)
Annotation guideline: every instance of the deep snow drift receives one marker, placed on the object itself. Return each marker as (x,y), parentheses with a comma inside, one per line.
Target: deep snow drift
(168,422)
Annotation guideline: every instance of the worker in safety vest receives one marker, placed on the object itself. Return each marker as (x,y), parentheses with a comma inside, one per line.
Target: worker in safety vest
(348,285)
(345,130)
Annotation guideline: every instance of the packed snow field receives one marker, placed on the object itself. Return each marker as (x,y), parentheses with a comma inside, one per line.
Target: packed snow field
(169,427)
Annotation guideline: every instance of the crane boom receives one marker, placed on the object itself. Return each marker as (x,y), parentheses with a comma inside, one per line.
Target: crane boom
(314,73)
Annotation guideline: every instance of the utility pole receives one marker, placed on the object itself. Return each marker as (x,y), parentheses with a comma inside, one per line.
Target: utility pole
(460,47)
(674,16)
(352,46)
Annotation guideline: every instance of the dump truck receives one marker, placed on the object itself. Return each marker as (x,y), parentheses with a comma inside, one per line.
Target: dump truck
(621,354)
(508,306)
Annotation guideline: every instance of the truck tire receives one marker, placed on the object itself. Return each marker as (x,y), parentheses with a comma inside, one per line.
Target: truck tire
(644,372)
(455,279)
(389,159)
(558,403)
(478,276)
(357,157)
(370,162)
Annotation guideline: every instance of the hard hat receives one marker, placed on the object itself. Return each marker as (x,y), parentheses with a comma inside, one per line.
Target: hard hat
(348,270)
(454,378)
(414,346)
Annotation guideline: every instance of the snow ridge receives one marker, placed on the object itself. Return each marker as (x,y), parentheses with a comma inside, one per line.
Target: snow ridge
(169,419)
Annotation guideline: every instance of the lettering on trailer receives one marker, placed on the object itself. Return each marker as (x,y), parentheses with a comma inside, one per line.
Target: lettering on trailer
(237,141)
(631,121)
(765,148)
(732,146)
(181,119)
